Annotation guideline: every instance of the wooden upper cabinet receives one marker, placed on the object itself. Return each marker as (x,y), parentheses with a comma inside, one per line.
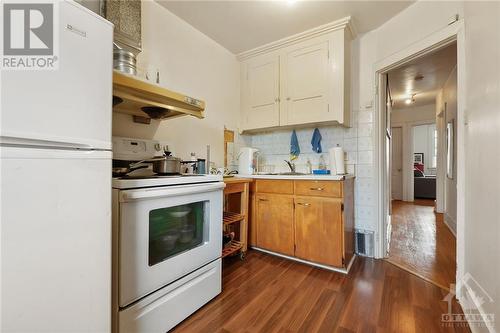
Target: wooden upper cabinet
(302,79)
(305,84)
(274,218)
(260,93)
(319,230)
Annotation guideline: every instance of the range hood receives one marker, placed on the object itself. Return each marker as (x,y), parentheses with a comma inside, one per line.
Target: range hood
(145,100)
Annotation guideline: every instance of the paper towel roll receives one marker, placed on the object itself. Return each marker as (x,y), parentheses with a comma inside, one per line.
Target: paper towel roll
(337,160)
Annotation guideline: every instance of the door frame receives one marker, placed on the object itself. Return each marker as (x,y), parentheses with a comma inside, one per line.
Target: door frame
(402,126)
(450,34)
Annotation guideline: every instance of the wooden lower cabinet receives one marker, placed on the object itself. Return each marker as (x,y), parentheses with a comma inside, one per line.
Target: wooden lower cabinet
(274,215)
(304,224)
(318,230)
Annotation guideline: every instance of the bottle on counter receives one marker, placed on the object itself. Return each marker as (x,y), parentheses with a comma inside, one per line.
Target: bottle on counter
(309,166)
(322,163)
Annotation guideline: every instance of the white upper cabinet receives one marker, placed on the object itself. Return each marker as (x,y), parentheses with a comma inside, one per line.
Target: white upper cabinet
(305,85)
(260,93)
(303,79)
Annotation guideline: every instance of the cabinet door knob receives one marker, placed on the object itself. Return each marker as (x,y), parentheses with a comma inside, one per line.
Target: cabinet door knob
(316,188)
(304,204)
(288,98)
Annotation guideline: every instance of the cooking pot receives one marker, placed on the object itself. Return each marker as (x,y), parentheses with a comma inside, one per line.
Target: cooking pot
(161,164)
(166,164)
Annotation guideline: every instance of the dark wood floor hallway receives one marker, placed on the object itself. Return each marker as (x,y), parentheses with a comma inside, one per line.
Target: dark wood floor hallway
(422,243)
(266,293)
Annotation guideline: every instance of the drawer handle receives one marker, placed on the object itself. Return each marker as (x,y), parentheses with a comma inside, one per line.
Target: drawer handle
(317,189)
(304,204)
(263,199)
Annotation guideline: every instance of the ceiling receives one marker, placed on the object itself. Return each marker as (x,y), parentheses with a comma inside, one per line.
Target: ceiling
(435,69)
(243,25)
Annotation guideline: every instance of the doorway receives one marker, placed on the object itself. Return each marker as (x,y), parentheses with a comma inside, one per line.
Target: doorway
(397,163)
(421,143)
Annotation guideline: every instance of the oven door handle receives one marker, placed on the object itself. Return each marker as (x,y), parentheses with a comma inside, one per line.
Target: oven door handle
(153,193)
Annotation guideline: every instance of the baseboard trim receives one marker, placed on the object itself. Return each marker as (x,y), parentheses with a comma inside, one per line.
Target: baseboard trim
(447,220)
(330,268)
(474,327)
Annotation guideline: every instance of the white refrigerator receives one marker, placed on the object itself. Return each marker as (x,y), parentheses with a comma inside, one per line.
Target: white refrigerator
(55,190)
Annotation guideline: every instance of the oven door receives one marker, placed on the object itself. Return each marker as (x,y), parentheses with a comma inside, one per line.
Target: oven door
(166,233)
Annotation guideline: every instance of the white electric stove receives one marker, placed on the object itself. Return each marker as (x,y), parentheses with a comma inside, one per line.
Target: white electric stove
(167,243)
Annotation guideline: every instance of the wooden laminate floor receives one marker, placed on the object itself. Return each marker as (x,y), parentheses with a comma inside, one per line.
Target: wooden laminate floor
(266,293)
(422,243)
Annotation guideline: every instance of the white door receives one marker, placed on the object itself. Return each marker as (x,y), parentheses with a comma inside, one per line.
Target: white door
(397,163)
(305,80)
(261,93)
(73,103)
(56,240)
(166,233)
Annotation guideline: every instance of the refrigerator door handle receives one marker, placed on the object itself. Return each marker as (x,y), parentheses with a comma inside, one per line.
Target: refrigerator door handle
(33,143)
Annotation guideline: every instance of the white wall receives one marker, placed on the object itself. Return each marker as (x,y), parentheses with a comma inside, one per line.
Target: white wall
(482,157)
(191,63)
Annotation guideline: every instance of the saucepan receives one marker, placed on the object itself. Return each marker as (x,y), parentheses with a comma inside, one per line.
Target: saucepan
(161,165)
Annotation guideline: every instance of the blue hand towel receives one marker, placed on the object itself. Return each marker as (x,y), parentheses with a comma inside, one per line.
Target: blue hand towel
(294,147)
(316,141)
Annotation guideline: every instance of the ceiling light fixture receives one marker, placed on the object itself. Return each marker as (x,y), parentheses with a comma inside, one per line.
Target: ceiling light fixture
(291,2)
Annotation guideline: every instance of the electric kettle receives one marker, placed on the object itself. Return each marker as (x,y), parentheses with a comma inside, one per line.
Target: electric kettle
(247,161)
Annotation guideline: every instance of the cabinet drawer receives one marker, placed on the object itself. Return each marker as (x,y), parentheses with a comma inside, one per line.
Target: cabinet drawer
(319,188)
(274,186)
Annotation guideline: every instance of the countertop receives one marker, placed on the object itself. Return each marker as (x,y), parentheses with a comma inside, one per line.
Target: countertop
(298,177)
(237,180)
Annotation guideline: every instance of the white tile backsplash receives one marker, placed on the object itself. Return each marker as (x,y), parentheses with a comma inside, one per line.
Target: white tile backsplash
(364,171)
(365,157)
(357,141)
(365,143)
(365,130)
(365,117)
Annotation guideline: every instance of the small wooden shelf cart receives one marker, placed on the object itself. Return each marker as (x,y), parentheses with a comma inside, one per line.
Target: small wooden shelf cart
(235,219)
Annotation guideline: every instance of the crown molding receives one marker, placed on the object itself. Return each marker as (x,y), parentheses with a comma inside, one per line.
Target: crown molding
(343,23)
